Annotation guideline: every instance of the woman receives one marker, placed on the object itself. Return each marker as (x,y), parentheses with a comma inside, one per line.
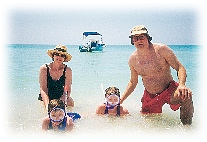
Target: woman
(55,78)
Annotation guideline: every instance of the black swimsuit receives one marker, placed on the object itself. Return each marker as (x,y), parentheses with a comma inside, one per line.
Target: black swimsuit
(55,87)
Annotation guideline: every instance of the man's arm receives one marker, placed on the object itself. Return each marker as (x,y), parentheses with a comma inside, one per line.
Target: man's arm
(173,61)
(131,85)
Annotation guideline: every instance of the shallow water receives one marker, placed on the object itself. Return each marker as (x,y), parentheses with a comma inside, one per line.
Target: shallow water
(90,70)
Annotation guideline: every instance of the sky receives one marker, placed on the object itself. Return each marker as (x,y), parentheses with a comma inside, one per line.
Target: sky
(64,24)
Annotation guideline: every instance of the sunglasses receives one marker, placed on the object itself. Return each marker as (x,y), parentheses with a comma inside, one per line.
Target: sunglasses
(136,38)
(59,54)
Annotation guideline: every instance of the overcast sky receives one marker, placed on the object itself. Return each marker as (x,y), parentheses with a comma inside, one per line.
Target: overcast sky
(65,25)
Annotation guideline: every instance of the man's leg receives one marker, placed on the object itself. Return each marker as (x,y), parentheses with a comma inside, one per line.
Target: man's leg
(186,109)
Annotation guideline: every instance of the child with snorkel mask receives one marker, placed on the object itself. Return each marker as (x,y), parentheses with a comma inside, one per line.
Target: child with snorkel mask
(112,104)
(57,118)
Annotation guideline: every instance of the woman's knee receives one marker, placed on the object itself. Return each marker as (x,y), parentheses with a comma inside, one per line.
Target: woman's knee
(70,102)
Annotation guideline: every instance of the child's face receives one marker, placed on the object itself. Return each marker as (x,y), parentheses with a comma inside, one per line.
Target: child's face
(57,115)
(112,99)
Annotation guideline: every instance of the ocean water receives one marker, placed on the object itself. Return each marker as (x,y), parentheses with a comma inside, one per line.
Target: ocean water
(90,72)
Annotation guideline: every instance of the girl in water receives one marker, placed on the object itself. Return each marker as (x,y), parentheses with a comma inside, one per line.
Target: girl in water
(112,104)
(57,118)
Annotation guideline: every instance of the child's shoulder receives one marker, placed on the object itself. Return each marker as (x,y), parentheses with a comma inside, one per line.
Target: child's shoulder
(123,110)
(102,105)
(46,118)
(45,122)
(100,109)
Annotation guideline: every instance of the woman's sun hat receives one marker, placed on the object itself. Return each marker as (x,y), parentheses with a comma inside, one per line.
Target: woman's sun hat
(62,49)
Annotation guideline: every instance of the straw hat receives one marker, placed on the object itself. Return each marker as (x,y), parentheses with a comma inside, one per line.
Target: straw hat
(62,49)
(139,30)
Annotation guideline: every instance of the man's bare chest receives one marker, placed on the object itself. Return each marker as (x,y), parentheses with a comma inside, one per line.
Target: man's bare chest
(150,65)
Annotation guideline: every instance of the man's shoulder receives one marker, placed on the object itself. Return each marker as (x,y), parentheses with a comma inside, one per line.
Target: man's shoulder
(132,57)
(134,54)
(161,48)
(159,45)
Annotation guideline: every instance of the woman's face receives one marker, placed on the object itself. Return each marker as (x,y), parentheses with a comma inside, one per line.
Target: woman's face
(59,57)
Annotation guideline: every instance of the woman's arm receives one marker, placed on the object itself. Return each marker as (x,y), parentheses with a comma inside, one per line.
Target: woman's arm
(67,89)
(43,85)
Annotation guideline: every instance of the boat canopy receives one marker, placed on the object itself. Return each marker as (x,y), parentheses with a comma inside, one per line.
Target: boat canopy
(91,33)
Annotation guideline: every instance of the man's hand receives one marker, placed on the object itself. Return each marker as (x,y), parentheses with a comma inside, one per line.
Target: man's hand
(183,92)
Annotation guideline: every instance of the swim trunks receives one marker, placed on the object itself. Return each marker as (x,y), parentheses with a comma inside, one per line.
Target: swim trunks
(152,103)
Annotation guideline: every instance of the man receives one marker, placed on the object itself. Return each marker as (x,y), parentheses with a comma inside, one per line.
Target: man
(152,62)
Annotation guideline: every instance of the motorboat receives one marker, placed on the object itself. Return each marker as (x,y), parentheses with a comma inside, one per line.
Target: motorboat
(92,41)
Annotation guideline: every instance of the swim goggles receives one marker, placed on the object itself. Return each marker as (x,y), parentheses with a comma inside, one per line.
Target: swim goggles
(57,115)
(112,100)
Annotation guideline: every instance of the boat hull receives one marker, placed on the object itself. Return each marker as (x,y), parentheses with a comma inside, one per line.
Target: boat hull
(99,47)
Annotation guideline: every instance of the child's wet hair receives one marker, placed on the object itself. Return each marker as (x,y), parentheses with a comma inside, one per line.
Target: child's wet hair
(56,103)
(112,90)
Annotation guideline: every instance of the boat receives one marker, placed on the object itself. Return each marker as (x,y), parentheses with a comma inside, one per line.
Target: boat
(92,41)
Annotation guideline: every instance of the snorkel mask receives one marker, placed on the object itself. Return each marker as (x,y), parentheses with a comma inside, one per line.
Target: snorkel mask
(57,114)
(112,100)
